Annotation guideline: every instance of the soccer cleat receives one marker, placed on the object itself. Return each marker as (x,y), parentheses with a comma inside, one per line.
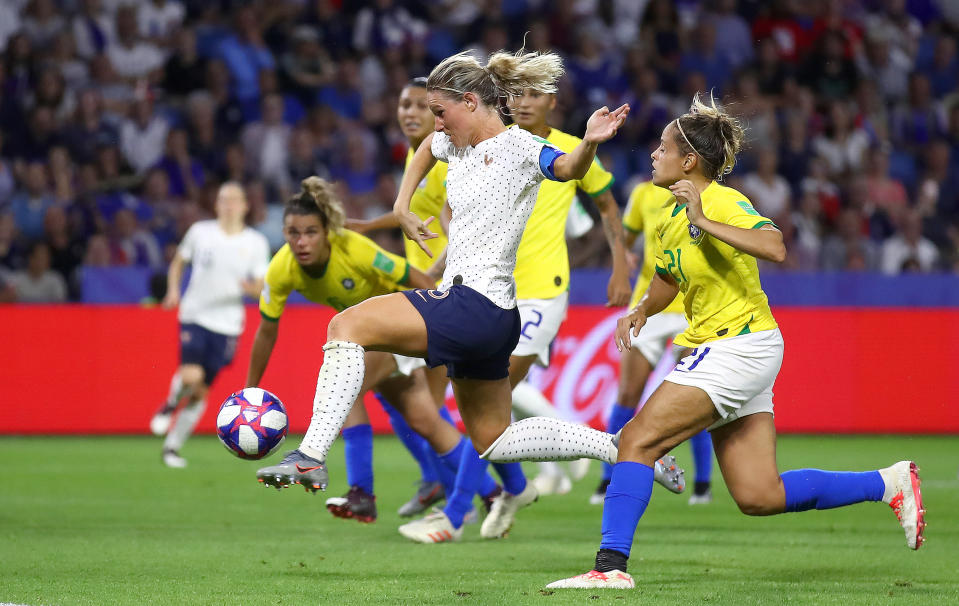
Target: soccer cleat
(614,579)
(551,483)
(599,496)
(160,423)
(434,528)
(172,458)
(701,499)
(671,476)
(488,499)
(578,469)
(295,468)
(357,504)
(426,495)
(902,483)
(503,512)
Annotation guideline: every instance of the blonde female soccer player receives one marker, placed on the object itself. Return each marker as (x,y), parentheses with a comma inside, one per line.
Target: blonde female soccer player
(470,324)
(340,268)
(707,246)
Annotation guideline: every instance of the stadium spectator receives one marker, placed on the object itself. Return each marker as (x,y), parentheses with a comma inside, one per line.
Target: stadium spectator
(92,29)
(158,20)
(245,53)
(908,250)
(135,245)
(184,71)
(12,251)
(918,122)
(42,22)
(886,194)
(842,144)
(768,191)
(66,252)
(384,25)
(185,173)
(305,67)
(848,249)
(37,283)
(266,143)
(63,58)
(132,57)
(32,201)
(143,134)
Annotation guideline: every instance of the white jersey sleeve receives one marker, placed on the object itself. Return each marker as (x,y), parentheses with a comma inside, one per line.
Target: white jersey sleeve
(441,146)
(187,247)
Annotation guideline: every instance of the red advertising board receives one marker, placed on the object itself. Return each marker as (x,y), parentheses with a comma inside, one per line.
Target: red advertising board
(104,369)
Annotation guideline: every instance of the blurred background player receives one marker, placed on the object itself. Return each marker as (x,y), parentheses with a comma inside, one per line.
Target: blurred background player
(646,204)
(228,260)
(339,268)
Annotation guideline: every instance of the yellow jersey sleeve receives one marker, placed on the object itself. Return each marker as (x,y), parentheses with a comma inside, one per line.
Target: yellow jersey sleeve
(366,254)
(738,213)
(428,201)
(596,180)
(278,283)
(632,216)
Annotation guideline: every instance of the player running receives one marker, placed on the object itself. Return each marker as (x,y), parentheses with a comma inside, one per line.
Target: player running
(471,323)
(707,246)
(228,260)
(340,268)
(646,203)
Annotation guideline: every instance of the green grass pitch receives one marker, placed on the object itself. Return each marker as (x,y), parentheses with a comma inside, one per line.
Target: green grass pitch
(100,521)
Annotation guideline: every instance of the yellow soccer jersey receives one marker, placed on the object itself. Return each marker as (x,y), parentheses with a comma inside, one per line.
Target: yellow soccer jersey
(646,205)
(428,201)
(722,294)
(357,270)
(542,262)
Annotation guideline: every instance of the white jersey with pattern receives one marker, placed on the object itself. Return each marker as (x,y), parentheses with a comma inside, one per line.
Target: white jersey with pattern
(220,263)
(491,189)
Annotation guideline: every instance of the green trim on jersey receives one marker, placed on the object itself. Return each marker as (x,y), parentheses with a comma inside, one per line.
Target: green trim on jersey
(678,208)
(763,223)
(266,317)
(631,230)
(405,280)
(662,271)
(605,189)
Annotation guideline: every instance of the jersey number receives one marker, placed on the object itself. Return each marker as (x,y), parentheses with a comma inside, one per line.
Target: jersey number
(676,260)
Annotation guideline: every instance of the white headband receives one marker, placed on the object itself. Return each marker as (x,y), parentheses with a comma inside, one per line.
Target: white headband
(680,127)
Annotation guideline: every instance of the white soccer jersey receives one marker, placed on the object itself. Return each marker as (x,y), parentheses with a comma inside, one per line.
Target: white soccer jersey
(220,262)
(491,189)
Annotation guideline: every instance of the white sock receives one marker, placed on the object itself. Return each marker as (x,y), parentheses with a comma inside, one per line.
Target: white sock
(176,390)
(530,402)
(337,387)
(545,439)
(184,425)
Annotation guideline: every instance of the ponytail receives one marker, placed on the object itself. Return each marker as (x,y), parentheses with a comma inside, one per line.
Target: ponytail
(712,134)
(505,75)
(317,197)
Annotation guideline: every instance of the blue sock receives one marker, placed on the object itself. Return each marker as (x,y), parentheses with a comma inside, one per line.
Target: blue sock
(487,485)
(702,447)
(358,443)
(449,466)
(626,500)
(514,480)
(468,479)
(414,442)
(618,417)
(817,489)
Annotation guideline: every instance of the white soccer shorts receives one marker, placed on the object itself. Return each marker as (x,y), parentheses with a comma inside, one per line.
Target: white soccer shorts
(406,365)
(737,373)
(658,332)
(540,321)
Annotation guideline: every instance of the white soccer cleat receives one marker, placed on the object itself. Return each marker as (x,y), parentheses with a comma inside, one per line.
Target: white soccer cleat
(614,579)
(174,460)
(434,528)
(551,483)
(701,499)
(503,512)
(579,468)
(670,475)
(903,495)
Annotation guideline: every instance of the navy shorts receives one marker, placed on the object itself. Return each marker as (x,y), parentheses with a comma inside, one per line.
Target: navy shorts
(206,348)
(467,332)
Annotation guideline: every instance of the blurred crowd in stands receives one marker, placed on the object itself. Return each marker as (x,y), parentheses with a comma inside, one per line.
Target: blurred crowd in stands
(120,118)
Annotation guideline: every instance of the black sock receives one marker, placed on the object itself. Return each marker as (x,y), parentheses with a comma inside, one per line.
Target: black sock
(610,559)
(700,488)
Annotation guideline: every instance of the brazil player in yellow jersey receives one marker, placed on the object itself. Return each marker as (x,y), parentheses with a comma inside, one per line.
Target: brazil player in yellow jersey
(707,247)
(647,203)
(340,268)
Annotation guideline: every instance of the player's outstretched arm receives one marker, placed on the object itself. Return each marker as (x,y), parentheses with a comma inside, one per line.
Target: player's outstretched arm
(602,126)
(415,228)
(618,289)
(263,344)
(384,221)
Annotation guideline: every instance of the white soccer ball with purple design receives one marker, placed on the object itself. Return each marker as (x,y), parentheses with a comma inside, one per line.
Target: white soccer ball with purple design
(252,423)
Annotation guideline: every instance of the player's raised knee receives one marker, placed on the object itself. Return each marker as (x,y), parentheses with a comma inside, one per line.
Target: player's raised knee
(758,503)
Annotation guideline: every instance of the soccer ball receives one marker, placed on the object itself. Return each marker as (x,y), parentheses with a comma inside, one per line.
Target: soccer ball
(252,423)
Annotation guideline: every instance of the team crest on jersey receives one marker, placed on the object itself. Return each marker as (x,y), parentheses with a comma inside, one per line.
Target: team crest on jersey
(694,232)
(487,160)
(348,283)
